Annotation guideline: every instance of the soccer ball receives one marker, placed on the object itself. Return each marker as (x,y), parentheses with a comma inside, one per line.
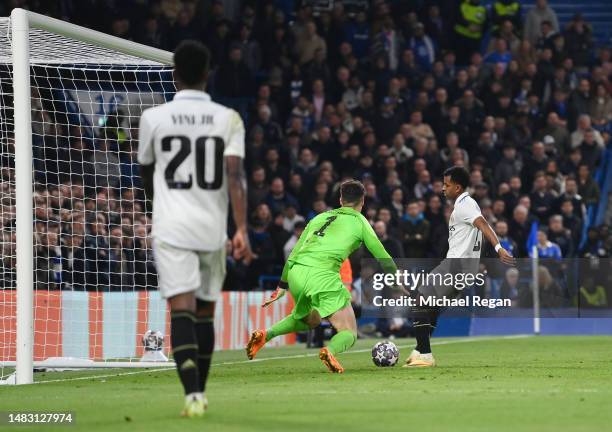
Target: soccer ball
(153,340)
(385,354)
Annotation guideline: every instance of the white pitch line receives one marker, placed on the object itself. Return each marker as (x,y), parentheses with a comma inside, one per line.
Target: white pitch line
(105,376)
(359,351)
(445,342)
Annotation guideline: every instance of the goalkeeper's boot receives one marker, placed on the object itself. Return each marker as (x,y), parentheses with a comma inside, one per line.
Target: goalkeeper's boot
(417,359)
(330,361)
(195,405)
(256,342)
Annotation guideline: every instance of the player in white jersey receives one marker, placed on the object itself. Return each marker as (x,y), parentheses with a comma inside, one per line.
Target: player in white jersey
(191,153)
(466,228)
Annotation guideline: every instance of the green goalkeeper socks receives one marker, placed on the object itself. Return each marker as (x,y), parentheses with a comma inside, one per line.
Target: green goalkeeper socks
(341,342)
(285,326)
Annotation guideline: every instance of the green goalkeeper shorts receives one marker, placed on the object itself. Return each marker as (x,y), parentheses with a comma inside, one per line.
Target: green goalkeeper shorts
(316,289)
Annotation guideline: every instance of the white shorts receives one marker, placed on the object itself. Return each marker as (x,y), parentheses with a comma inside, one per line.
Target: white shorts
(182,271)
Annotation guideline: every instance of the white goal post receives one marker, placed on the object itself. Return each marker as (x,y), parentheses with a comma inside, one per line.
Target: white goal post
(22,23)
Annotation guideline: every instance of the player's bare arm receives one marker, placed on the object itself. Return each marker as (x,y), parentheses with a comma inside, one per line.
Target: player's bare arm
(491,237)
(237,190)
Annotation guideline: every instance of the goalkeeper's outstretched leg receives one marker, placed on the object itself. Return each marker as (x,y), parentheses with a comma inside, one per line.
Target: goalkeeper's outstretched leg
(346,326)
(287,325)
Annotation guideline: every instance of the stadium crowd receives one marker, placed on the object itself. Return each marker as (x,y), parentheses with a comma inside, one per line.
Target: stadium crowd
(388,92)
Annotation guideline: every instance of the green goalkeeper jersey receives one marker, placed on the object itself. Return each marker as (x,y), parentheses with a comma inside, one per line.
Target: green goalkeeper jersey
(331,237)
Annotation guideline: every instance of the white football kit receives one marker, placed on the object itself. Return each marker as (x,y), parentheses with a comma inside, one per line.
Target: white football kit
(464,239)
(188,139)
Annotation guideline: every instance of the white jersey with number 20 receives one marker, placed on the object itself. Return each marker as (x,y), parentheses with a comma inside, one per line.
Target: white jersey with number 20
(188,139)
(464,239)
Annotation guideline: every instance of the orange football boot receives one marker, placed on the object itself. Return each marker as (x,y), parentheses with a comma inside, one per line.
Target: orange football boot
(330,361)
(256,342)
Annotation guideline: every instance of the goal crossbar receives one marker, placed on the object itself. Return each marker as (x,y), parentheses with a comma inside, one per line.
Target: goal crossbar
(23,20)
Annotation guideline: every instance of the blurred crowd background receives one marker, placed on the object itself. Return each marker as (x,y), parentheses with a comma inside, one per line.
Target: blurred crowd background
(388,92)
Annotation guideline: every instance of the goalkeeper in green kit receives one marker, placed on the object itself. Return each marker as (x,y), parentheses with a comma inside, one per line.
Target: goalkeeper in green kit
(311,274)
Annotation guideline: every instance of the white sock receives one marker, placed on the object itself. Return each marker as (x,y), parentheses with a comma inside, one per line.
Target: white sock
(414,353)
(194,396)
(427,356)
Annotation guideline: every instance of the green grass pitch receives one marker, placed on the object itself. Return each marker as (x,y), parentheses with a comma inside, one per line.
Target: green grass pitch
(481,384)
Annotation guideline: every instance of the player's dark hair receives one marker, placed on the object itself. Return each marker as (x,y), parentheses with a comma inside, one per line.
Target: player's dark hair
(351,191)
(458,175)
(191,62)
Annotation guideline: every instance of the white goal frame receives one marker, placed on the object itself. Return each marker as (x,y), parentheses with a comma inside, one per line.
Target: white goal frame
(21,23)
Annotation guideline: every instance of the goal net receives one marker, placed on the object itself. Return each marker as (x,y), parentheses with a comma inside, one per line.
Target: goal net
(92,272)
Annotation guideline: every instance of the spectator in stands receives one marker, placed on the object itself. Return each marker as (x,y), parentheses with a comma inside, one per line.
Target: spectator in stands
(500,55)
(501,229)
(571,220)
(278,199)
(589,150)
(48,264)
(551,294)
(274,167)
(251,50)
(571,163)
(534,163)
(601,107)
(592,294)
(470,26)
(291,218)
(392,245)
(258,187)
(423,187)
(273,134)
(145,274)
(546,36)
(233,78)
(594,246)
(419,129)
(587,187)
(584,125)
(416,231)
(422,46)
(262,244)
(73,256)
(519,228)
(546,248)
(98,253)
(357,34)
(387,43)
(506,11)
(511,288)
(542,198)
(580,100)
(308,42)
(298,229)
(506,32)
(578,41)
(533,21)
(557,130)
(509,166)
(436,26)
(561,236)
